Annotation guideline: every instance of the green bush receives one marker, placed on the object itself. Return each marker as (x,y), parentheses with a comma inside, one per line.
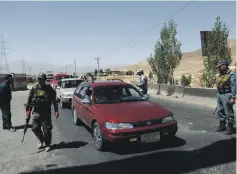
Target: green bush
(186,81)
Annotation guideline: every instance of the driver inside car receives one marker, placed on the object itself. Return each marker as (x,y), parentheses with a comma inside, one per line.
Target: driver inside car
(89,94)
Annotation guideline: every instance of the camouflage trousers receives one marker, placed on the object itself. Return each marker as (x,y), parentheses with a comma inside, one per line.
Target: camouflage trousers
(42,121)
(6,115)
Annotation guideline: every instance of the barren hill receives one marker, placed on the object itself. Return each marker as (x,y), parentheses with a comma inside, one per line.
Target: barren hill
(191,63)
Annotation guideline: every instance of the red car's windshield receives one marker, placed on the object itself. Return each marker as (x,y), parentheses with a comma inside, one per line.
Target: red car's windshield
(117,94)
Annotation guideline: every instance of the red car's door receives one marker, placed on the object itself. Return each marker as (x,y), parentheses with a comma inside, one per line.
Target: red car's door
(80,104)
(87,108)
(77,103)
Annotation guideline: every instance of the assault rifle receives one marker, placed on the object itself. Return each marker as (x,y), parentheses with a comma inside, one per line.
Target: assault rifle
(26,126)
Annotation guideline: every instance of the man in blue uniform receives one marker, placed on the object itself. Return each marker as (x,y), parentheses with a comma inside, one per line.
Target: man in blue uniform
(143,82)
(5,103)
(226,87)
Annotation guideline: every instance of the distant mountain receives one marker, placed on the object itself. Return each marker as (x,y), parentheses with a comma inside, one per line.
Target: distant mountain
(37,67)
(191,63)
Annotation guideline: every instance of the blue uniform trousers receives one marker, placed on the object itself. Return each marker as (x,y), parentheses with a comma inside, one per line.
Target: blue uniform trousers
(225,111)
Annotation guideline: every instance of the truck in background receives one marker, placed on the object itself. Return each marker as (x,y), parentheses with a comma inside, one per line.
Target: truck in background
(49,76)
(57,78)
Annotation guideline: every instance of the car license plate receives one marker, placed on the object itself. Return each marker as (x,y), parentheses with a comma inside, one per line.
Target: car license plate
(150,138)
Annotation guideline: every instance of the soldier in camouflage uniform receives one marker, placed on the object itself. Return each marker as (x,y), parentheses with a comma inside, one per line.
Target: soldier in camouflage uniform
(39,102)
(226,87)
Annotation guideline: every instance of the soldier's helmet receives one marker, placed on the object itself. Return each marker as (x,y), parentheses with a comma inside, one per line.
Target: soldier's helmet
(42,76)
(222,62)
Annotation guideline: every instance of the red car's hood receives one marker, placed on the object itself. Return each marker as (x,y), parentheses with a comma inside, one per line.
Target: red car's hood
(131,111)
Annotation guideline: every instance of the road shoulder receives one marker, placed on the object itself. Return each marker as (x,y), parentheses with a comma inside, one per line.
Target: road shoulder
(17,157)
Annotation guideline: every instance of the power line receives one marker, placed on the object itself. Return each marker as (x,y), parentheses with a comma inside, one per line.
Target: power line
(3,57)
(75,65)
(23,66)
(155,26)
(98,64)
(29,71)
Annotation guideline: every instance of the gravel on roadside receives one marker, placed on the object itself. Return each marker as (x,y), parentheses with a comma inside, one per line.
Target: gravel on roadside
(16,157)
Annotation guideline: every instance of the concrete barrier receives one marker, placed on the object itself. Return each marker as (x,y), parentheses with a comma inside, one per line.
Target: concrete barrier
(200,92)
(153,86)
(207,96)
(166,90)
(178,91)
(204,95)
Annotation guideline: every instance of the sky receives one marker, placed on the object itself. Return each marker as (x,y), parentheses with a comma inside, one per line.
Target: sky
(60,32)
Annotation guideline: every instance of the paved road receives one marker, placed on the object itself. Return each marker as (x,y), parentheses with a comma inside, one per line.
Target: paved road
(197,148)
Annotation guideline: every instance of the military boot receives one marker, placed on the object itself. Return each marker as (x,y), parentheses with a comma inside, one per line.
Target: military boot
(221,127)
(229,129)
(48,148)
(40,145)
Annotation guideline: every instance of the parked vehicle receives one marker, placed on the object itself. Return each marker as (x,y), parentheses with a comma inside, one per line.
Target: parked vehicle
(57,78)
(65,91)
(116,111)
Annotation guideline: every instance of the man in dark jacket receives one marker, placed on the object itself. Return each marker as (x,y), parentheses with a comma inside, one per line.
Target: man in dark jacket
(5,103)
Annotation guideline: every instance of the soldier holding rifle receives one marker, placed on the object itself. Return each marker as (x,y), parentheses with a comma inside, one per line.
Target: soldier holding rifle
(38,106)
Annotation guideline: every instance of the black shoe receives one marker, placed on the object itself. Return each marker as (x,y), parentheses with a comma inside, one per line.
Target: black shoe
(229,129)
(221,127)
(12,129)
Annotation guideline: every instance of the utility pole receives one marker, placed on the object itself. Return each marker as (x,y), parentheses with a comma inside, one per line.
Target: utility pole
(66,69)
(29,71)
(3,57)
(23,66)
(75,64)
(98,64)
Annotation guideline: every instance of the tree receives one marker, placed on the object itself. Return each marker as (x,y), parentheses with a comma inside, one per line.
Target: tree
(108,70)
(101,71)
(96,71)
(217,49)
(150,75)
(167,53)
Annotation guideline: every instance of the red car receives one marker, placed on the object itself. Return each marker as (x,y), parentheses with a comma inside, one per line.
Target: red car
(57,78)
(116,111)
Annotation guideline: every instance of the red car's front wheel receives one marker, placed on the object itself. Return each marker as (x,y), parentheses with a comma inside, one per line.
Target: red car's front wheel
(98,140)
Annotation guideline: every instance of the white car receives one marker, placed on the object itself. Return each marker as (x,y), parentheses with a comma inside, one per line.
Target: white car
(65,90)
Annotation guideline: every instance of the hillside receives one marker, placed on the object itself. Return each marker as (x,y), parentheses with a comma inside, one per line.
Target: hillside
(191,63)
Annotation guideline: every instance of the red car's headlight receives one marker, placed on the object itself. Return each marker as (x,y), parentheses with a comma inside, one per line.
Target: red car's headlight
(118,126)
(168,119)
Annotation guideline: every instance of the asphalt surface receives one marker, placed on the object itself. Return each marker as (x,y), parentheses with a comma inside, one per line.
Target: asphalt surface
(197,148)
